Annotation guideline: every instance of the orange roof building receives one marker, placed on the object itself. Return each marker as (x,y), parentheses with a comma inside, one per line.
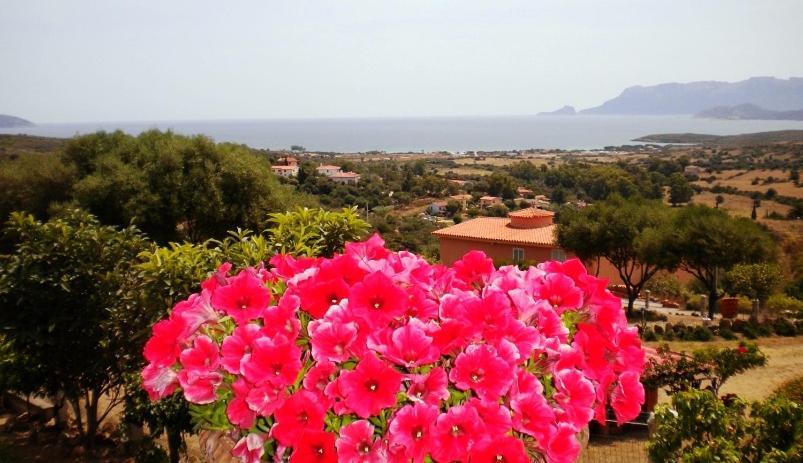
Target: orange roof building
(524,235)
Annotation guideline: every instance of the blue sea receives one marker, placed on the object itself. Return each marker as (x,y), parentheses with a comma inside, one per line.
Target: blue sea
(429,133)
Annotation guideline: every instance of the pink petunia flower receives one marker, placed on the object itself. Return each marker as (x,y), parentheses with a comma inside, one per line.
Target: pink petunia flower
(250,448)
(408,346)
(281,319)
(356,444)
(203,355)
(575,394)
(164,345)
(532,415)
(560,291)
(315,447)
(563,446)
(237,410)
(430,388)
(317,294)
(299,413)
(243,299)
(200,386)
(370,387)
(474,268)
(159,381)
(237,345)
(276,360)
(480,369)
(265,399)
(331,341)
(456,431)
(412,428)
(501,448)
(627,397)
(377,300)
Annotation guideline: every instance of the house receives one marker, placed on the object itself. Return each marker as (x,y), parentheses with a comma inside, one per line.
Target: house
(458,182)
(345,178)
(488,201)
(285,171)
(328,170)
(524,235)
(463,199)
(693,170)
(287,161)
(524,192)
(437,208)
(338,176)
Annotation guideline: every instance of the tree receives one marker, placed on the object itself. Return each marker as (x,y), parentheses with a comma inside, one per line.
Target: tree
(501,184)
(679,189)
(33,183)
(453,207)
(629,234)
(297,148)
(756,281)
(315,232)
(57,291)
(174,186)
(718,200)
(706,241)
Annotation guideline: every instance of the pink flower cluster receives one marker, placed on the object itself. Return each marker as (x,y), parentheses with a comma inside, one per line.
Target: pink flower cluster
(375,356)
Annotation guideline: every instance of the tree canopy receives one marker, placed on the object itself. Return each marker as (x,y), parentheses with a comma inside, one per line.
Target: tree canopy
(629,234)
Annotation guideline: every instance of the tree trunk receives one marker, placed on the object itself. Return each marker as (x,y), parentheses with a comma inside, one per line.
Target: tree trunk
(631,300)
(173,443)
(91,418)
(712,302)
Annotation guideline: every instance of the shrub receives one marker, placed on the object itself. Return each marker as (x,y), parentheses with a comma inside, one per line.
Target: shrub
(699,427)
(725,333)
(702,333)
(781,304)
(658,329)
(739,325)
(649,335)
(792,389)
(784,327)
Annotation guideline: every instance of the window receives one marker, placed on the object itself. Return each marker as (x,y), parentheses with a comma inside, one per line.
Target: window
(558,254)
(518,254)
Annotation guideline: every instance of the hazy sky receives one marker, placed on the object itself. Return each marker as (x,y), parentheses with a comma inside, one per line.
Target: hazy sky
(107,60)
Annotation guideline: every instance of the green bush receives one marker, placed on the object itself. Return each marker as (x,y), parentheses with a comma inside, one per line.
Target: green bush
(726,333)
(784,327)
(699,427)
(649,335)
(781,303)
(792,389)
(702,333)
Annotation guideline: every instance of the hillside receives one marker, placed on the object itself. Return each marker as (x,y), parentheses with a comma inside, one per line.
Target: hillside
(693,97)
(7,121)
(11,145)
(757,138)
(749,111)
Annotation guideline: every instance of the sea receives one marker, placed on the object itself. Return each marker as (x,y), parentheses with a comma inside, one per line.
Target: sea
(426,134)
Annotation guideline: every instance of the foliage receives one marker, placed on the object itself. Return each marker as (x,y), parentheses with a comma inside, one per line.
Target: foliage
(699,427)
(705,241)
(314,232)
(780,303)
(792,389)
(629,234)
(679,189)
(727,362)
(756,281)
(665,285)
(32,183)
(174,186)
(57,291)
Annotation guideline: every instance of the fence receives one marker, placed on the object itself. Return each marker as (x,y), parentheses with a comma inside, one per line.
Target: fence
(625,448)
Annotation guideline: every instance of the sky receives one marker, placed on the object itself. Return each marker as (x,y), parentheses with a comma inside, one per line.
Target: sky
(157,60)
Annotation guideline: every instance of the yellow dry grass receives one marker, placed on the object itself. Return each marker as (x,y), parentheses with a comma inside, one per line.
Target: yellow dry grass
(743,180)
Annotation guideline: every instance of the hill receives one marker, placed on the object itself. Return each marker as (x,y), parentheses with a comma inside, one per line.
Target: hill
(564,111)
(11,145)
(7,121)
(757,138)
(749,111)
(693,97)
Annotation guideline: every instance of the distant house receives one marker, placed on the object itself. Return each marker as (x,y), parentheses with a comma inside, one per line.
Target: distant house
(463,199)
(437,208)
(328,170)
(285,171)
(488,201)
(335,174)
(458,182)
(345,178)
(288,161)
(693,170)
(524,235)
(525,192)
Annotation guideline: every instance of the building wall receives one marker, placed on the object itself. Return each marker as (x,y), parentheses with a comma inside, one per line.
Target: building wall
(453,249)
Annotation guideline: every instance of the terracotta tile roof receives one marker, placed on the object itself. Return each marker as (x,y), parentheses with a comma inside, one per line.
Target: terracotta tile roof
(497,230)
(490,198)
(328,166)
(531,212)
(460,197)
(345,175)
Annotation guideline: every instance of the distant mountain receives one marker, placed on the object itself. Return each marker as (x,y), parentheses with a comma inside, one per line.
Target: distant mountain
(11,121)
(749,111)
(693,97)
(758,138)
(564,111)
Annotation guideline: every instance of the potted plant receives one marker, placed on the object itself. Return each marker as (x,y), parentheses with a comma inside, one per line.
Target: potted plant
(729,307)
(382,356)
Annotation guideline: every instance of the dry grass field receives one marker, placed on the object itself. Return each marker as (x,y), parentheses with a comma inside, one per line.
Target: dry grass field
(743,180)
